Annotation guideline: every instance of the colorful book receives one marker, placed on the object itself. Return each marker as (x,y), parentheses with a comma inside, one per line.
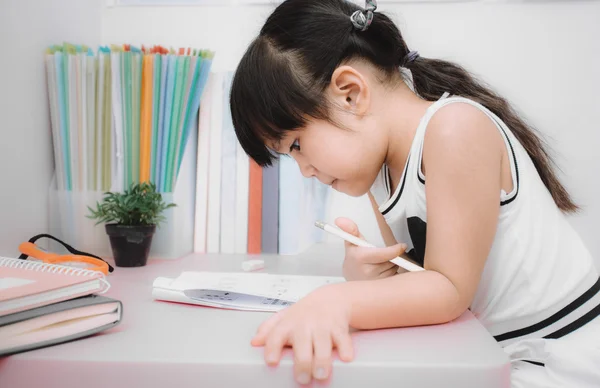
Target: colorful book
(242,196)
(202,171)
(136,111)
(146,117)
(90,79)
(290,187)
(175,125)
(270,209)
(168,121)
(228,173)
(255,208)
(214,174)
(156,108)
(53,99)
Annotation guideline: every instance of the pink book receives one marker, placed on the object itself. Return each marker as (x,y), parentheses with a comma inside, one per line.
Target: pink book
(26,284)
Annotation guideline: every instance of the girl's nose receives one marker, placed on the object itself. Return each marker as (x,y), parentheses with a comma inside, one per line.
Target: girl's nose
(307,170)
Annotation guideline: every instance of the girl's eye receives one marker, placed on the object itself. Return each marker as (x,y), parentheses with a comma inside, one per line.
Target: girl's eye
(295,145)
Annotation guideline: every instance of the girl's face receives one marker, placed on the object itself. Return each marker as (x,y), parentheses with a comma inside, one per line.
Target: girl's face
(349,156)
(374,125)
(346,158)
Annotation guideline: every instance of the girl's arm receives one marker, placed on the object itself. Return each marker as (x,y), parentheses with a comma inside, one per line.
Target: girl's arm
(462,161)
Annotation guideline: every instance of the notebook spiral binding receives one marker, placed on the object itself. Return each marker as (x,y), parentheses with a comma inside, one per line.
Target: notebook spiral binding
(39,266)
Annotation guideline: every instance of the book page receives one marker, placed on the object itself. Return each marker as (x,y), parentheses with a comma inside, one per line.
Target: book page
(6,283)
(286,287)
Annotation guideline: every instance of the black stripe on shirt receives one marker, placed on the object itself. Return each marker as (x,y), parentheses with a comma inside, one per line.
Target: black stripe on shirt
(558,316)
(509,200)
(535,363)
(575,324)
(389,208)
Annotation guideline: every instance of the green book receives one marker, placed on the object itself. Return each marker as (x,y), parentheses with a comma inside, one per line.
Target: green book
(180,79)
(107,125)
(155,112)
(136,75)
(127,85)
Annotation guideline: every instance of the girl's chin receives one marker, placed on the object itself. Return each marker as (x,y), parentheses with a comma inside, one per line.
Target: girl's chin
(344,189)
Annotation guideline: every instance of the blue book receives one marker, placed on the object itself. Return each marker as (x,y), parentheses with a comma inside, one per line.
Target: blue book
(63,97)
(164,73)
(162,163)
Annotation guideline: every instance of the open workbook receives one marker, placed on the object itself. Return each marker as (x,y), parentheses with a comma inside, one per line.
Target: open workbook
(238,291)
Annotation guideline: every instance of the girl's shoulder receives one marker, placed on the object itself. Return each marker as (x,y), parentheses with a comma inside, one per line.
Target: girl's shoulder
(462,128)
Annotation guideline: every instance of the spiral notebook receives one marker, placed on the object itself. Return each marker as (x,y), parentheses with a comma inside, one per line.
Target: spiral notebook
(27,284)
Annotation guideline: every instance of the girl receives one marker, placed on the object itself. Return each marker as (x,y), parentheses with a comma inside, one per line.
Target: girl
(458,182)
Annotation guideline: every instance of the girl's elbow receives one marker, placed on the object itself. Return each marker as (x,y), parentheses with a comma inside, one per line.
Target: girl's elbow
(454,313)
(456,305)
(454,302)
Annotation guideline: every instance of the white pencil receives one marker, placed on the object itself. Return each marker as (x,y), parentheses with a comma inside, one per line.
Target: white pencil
(407,265)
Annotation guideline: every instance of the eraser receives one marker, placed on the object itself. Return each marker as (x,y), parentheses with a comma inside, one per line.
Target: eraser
(253,265)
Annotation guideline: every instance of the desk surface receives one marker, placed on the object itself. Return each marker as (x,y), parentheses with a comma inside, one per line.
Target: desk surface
(163,344)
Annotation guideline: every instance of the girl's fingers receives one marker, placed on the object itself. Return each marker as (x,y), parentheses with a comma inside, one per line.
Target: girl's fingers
(322,345)
(343,343)
(264,329)
(348,226)
(274,344)
(303,355)
(388,270)
(379,255)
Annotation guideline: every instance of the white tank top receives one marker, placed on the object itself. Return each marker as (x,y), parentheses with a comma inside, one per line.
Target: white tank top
(539,279)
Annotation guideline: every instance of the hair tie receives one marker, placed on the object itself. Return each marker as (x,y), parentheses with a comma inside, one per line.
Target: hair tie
(361,20)
(410,58)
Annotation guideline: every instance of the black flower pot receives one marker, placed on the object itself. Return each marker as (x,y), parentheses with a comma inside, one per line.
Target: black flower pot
(130,244)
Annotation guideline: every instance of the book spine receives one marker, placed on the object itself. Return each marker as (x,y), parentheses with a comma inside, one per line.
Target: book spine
(228,174)
(270,209)
(255,208)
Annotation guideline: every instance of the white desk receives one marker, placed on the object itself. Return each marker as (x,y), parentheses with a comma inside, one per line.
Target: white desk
(162,344)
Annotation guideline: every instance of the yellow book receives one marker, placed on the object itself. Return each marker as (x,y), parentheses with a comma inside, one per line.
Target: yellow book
(146,117)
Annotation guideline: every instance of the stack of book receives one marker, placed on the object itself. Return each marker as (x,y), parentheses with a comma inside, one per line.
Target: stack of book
(46,304)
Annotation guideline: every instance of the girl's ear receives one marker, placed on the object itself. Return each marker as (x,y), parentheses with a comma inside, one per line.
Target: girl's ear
(349,90)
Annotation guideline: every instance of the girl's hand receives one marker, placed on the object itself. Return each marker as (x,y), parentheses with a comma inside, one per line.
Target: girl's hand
(312,326)
(367,263)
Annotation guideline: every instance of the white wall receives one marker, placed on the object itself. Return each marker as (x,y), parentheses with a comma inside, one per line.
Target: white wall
(27,28)
(544,57)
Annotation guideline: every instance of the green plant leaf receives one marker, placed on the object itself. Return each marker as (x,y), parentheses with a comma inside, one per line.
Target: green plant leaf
(141,204)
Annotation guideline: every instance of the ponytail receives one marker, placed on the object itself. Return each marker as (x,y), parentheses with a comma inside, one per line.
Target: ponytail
(433,77)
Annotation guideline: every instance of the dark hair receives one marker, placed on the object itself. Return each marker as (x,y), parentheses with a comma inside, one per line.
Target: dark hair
(280,81)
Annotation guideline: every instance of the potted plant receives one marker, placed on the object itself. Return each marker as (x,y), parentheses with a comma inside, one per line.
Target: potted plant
(131,219)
